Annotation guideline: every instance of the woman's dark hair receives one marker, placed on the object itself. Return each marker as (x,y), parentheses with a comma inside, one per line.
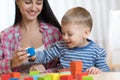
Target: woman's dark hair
(46,15)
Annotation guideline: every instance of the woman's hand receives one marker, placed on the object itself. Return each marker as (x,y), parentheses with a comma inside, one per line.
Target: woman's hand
(38,67)
(93,70)
(19,56)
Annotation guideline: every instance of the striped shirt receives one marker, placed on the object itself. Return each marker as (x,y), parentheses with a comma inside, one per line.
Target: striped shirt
(91,55)
(10,40)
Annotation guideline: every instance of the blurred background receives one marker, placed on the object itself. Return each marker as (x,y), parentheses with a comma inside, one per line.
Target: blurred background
(106,22)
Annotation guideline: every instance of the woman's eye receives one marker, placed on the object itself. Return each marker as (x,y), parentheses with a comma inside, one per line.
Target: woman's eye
(28,2)
(39,3)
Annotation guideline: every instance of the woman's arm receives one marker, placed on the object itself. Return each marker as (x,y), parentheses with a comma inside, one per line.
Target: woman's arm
(5,55)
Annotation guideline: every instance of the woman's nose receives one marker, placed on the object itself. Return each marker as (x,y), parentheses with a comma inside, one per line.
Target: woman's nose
(33,6)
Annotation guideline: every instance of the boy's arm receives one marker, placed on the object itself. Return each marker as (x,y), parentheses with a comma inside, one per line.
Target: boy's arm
(47,55)
(101,62)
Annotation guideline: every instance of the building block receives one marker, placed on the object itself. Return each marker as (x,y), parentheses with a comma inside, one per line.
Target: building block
(41,78)
(75,73)
(35,77)
(66,77)
(79,76)
(55,76)
(28,78)
(87,78)
(76,65)
(13,79)
(15,75)
(47,77)
(65,73)
(5,76)
(33,73)
(76,68)
(30,51)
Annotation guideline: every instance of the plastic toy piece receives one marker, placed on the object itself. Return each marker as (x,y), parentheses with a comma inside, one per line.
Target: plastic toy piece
(76,68)
(87,78)
(55,76)
(47,77)
(79,76)
(66,77)
(28,78)
(13,79)
(5,76)
(15,75)
(65,73)
(33,73)
(35,77)
(30,51)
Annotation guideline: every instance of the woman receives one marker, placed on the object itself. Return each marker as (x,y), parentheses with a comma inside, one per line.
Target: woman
(35,26)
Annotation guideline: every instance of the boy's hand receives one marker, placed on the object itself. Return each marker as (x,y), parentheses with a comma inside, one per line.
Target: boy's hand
(32,59)
(93,70)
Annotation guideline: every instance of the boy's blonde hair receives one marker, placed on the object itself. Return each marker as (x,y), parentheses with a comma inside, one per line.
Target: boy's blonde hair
(77,15)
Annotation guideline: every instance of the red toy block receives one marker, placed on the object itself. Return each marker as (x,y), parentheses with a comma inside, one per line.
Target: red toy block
(76,66)
(28,78)
(66,77)
(15,75)
(74,73)
(5,76)
(79,76)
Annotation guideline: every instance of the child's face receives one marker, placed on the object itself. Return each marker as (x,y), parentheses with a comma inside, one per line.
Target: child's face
(75,35)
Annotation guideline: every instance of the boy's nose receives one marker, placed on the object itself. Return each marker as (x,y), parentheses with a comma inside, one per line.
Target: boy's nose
(65,38)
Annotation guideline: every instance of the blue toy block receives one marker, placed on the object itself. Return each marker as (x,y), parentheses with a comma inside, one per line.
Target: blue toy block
(13,79)
(31,51)
(35,77)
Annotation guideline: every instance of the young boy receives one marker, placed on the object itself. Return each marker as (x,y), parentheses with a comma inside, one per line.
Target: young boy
(76,27)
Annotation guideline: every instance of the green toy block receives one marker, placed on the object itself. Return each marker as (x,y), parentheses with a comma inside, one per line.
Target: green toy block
(47,77)
(87,78)
(33,73)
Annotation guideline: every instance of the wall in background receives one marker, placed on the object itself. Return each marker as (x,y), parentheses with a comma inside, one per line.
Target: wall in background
(7,13)
(99,10)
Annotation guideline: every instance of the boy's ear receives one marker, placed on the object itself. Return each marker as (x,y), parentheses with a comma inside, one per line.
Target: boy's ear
(87,32)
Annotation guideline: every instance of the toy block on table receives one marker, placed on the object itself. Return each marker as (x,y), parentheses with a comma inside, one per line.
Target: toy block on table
(65,73)
(66,77)
(47,77)
(79,76)
(76,68)
(35,77)
(5,76)
(87,78)
(33,73)
(28,78)
(55,76)
(15,75)
(30,51)
(13,79)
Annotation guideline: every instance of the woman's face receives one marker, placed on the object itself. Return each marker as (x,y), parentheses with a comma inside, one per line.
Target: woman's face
(30,9)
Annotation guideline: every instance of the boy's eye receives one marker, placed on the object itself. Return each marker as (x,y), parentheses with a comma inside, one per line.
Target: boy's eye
(70,34)
(63,33)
